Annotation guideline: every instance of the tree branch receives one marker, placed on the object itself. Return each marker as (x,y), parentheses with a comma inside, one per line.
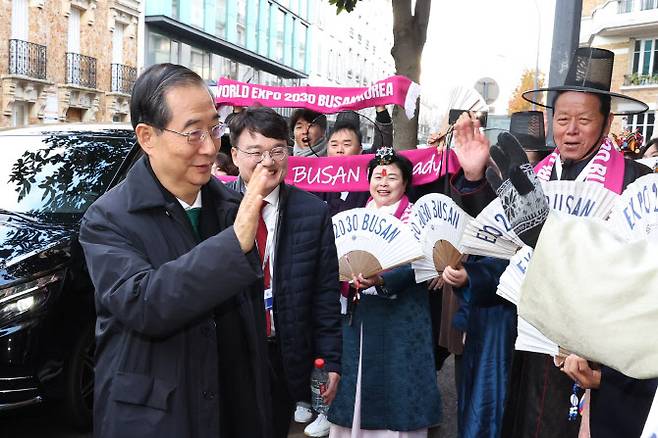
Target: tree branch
(421,20)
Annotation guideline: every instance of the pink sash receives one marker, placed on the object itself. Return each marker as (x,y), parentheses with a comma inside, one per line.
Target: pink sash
(398,90)
(607,167)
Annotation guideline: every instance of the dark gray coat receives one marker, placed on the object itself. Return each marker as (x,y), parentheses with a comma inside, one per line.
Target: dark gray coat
(157,359)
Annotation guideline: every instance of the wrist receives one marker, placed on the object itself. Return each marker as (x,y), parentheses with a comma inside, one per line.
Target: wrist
(474,175)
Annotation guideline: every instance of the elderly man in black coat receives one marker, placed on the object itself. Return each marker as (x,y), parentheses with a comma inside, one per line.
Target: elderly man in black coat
(299,259)
(180,332)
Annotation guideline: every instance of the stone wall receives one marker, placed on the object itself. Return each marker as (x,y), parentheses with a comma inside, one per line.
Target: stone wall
(48,25)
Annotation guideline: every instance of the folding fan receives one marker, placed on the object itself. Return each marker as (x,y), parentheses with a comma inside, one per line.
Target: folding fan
(438,223)
(509,286)
(464,98)
(635,214)
(490,234)
(369,242)
(531,339)
(580,198)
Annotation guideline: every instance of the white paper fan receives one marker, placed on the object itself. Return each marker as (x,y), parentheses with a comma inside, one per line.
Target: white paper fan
(635,214)
(531,339)
(434,218)
(511,280)
(490,234)
(369,242)
(580,198)
(577,198)
(466,98)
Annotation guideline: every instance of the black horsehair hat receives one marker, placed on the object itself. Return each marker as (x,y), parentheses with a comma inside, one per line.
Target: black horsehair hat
(590,71)
(528,128)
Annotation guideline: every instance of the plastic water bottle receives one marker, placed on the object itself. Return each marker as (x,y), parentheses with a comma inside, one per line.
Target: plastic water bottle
(319,379)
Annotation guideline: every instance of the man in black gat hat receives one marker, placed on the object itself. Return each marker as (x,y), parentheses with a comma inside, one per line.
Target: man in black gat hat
(583,111)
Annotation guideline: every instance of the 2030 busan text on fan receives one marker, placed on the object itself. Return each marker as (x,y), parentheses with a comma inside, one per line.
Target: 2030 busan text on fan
(369,242)
(635,214)
(438,224)
(585,199)
(490,233)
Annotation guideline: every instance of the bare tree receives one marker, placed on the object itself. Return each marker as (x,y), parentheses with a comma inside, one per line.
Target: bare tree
(409,36)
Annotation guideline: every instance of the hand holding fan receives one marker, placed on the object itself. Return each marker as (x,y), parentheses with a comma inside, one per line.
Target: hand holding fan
(369,242)
(438,223)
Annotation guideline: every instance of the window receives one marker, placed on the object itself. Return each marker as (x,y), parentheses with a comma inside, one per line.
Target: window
(241,22)
(74,31)
(649,4)
(159,49)
(303,9)
(279,32)
(263,28)
(19,20)
(19,114)
(645,61)
(117,44)
(220,18)
(197,13)
(301,47)
(175,6)
(625,6)
(644,122)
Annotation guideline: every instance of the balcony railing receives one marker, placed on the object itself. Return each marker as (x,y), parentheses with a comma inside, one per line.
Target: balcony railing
(27,59)
(80,70)
(635,79)
(123,78)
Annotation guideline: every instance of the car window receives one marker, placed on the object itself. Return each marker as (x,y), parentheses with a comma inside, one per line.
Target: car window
(58,175)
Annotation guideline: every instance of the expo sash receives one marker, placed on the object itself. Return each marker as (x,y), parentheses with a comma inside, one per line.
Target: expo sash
(397,90)
(349,173)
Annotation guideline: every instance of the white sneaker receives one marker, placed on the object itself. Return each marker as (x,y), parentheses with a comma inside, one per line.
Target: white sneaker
(318,428)
(303,414)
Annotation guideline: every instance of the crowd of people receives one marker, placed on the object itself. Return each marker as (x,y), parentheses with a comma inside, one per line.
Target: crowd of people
(214,299)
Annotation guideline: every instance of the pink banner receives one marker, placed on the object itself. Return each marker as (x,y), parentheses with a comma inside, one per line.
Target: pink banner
(397,90)
(349,174)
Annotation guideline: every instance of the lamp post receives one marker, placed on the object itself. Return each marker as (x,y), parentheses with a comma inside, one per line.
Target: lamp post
(534,106)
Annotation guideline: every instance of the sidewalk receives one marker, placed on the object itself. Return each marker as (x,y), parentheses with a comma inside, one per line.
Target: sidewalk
(447,429)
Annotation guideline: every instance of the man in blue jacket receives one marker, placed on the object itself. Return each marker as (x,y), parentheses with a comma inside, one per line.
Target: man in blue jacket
(180,349)
(298,255)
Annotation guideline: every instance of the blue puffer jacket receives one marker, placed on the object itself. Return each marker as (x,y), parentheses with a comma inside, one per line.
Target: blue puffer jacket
(305,286)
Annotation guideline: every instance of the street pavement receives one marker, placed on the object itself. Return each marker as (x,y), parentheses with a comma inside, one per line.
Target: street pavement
(44,421)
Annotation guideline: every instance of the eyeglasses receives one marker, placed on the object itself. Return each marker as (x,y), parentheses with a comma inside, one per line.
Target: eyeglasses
(198,136)
(276,154)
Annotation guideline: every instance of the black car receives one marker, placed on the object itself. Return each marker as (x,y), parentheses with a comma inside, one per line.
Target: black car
(50,175)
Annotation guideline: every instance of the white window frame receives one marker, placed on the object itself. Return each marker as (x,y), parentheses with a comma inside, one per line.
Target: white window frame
(19,20)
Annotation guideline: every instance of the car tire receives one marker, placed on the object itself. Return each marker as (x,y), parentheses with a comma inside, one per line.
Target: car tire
(79,384)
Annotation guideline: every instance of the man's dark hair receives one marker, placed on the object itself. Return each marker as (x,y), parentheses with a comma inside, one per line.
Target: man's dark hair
(148,103)
(347,126)
(259,119)
(308,115)
(604,108)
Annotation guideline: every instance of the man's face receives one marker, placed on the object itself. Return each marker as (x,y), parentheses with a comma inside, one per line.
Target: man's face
(249,149)
(343,142)
(306,133)
(578,124)
(185,166)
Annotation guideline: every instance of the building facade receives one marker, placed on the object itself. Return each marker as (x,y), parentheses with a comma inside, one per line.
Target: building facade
(55,64)
(629,28)
(257,41)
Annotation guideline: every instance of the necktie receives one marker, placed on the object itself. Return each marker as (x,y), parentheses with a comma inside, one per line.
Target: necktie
(261,243)
(193,215)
